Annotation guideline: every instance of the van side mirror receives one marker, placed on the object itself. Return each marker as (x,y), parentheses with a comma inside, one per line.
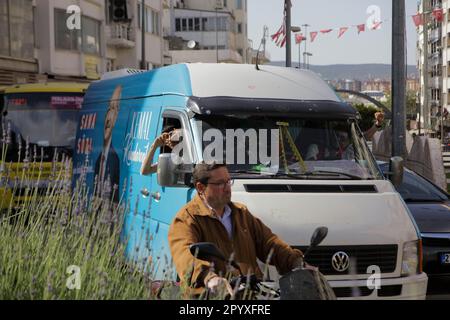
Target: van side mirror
(172,172)
(167,176)
(396,170)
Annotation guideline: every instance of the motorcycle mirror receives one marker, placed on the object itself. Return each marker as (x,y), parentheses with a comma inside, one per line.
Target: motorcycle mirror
(319,234)
(206,251)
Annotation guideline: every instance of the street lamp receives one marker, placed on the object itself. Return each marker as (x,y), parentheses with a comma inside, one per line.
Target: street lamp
(296,29)
(306,56)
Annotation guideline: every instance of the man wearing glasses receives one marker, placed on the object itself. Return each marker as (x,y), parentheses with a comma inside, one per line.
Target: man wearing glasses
(212,217)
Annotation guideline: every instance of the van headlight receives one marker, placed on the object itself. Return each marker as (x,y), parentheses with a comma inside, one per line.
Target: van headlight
(412,258)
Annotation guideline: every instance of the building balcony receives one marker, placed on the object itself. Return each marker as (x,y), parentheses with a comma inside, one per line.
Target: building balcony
(435,82)
(120,35)
(435,103)
(435,35)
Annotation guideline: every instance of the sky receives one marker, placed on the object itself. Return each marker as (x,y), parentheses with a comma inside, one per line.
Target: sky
(371,46)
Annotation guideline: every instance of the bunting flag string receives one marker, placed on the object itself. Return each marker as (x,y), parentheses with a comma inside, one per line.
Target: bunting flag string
(418,19)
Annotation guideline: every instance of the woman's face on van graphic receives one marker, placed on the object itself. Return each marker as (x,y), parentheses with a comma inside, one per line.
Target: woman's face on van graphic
(111,115)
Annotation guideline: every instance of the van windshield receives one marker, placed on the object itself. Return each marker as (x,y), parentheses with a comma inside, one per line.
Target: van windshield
(288,147)
(43,120)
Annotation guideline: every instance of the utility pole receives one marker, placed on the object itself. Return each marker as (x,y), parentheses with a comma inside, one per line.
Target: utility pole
(217,36)
(425,110)
(398,79)
(287,8)
(143,59)
(306,42)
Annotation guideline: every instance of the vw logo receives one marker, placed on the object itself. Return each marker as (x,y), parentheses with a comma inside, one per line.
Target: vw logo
(340,261)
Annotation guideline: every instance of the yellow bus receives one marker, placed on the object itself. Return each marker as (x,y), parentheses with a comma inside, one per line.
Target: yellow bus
(38,129)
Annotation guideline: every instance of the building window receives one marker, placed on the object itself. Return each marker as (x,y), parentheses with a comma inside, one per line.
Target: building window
(239,4)
(178,24)
(239,27)
(17,29)
(88,39)
(183,25)
(156,23)
(152,20)
(64,38)
(110,65)
(4,26)
(91,35)
(196,24)
(191,24)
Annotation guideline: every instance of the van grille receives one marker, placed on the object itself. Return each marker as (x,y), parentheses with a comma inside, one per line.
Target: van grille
(383,256)
(384,291)
(311,188)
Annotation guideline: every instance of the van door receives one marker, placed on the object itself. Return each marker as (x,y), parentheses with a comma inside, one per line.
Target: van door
(166,202)
(143,120)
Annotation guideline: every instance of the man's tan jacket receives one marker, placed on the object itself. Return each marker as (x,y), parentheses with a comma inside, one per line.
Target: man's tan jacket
(251,240)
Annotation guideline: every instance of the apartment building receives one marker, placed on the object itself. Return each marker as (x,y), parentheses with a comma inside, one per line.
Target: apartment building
(77,40)
(208,31)
(433,62)
(18,63)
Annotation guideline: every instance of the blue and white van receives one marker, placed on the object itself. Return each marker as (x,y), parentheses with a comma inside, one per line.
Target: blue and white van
(312,182)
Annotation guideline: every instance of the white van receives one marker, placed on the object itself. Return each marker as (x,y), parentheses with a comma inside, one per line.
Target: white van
(322,174)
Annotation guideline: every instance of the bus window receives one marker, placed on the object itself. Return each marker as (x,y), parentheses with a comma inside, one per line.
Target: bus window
(44,120)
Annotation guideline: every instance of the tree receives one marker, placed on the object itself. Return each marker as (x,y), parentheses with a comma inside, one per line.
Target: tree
(411,105)
(367,113)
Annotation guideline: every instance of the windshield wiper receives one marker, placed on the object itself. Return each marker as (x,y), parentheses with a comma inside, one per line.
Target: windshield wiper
(334,173)
(318,173)
(423,200)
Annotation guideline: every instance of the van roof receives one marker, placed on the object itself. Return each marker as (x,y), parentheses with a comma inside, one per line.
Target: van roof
(47,87)
(212,80)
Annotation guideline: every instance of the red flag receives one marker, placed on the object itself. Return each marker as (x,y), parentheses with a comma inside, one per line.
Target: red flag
(377,25)
(283,42)
(277,35)
(313,35)
(280,36)
(299,38)
(418,19)
(342,31)
(326,30)
(361,28)
(438,14)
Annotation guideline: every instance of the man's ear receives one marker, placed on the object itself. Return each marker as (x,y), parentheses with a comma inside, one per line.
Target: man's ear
(200,187)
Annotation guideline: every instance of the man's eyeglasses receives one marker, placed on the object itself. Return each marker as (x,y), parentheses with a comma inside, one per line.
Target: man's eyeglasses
(229,182)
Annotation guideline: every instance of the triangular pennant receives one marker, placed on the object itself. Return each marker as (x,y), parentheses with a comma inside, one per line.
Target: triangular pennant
(326,30)
(313,35)
(438,14)
(377,25)
(342,31)
(361,28)
(418,19)
(299,38)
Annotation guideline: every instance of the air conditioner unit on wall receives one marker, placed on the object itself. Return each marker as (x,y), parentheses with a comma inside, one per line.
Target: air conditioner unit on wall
(219,4)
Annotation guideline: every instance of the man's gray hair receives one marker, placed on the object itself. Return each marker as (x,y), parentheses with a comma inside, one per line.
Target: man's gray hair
(202,171)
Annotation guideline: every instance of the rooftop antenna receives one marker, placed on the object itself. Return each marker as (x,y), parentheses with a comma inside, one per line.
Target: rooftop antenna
(263,43)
